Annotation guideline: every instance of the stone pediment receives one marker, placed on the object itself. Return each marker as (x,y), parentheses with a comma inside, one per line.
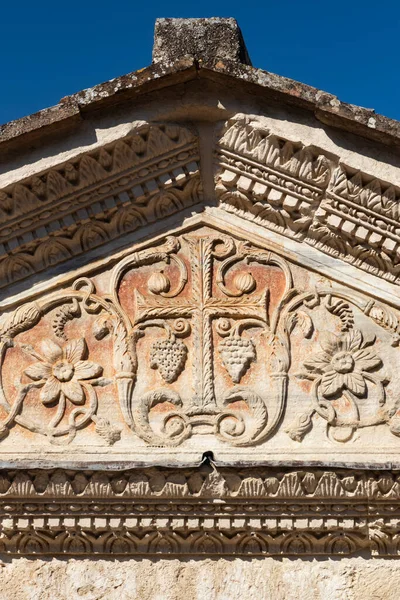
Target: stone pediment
(217,280)
(199,315)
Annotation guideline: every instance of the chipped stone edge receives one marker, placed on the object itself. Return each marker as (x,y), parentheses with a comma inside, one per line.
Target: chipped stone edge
(326,107)
(74,108)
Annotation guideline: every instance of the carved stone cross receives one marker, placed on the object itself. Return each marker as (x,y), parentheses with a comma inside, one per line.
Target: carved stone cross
(202,304)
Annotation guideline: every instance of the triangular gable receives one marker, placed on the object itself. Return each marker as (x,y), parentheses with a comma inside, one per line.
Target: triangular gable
(211,272)
(199,328)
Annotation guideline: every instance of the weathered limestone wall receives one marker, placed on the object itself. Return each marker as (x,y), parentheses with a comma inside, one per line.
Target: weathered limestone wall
(222,579)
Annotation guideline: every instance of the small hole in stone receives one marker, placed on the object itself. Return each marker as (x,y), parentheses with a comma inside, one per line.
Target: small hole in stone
(207,458)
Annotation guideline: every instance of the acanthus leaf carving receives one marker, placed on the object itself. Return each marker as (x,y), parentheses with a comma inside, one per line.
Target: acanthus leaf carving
(23,318)
(110,433)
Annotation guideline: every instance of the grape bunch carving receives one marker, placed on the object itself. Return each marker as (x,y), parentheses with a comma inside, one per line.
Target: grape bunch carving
(169,357)
(237,353)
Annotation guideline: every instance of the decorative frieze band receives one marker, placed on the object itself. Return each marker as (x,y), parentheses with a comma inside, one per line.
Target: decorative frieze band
(200,335)
(91,200)
(227,484)
(201,511)
(304,194)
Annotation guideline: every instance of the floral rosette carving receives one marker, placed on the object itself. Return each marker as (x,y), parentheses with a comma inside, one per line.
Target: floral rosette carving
(342,373)
(64,378)
(62,370)
(344,364)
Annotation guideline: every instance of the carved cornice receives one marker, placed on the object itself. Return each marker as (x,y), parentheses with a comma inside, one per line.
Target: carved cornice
(304,194)
(358,221)
(296,190)
(200,512)
(268,179)
(97,197)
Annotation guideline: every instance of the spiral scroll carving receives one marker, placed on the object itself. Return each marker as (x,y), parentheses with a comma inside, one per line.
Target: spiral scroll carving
(200,334)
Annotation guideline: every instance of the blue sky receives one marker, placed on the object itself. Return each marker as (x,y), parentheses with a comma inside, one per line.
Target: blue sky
(51,49)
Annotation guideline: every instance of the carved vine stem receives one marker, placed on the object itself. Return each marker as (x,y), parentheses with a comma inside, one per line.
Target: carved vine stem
(338,392)
(23,319)
(220,308)
(229,426)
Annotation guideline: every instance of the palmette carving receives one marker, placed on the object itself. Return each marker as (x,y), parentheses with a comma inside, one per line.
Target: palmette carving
(195,337)
(199,511)
(268,179)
